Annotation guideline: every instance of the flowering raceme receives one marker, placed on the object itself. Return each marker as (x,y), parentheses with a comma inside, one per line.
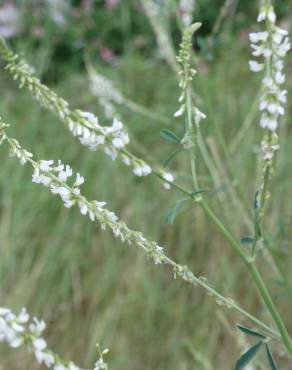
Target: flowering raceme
(84,125)
(18,330)
(272,45)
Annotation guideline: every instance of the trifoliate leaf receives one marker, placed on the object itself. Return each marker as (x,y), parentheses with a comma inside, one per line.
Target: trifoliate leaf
(248,356)
(169,136)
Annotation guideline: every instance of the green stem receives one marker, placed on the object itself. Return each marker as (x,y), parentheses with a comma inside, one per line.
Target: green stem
(270,305)
(264,293)
(192,150)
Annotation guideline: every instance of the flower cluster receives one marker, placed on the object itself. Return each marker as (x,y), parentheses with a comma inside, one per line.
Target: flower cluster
(86,128)
(18,330)
(84,125)
(187,73)
(100,363)
(272,45)
(269,146)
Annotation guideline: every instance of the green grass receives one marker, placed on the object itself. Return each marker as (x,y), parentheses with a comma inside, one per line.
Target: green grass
(91,288)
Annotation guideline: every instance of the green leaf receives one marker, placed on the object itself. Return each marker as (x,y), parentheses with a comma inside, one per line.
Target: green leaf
(251,332)
(199,191)
(271,358)
(171,157)
(247,240)
(169,136)
(248,356)
(170,217)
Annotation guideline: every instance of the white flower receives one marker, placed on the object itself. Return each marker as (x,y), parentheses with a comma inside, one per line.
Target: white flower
(44,357)
(60,367)
(83,208)
(39,344)
(180,111)
(37,327)
(255,66)
(14,331)
(169,178)
(118,143)
(45,166)
(258,36)
(142,169)
(100,365)
(90,117)
(79,180)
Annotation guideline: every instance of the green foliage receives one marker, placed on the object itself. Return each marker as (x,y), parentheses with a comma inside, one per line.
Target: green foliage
(248,356)
(170,136)
(251,332)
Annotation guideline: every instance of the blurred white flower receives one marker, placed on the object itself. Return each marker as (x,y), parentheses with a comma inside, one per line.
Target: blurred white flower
(9,20)
(272,45)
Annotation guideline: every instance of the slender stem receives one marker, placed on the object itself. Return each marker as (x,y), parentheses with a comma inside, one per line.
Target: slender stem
(264,293)
(270,305)
(226,301)
(192,150)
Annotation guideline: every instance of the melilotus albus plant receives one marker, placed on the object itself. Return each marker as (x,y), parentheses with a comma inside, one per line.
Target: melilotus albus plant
(270,45)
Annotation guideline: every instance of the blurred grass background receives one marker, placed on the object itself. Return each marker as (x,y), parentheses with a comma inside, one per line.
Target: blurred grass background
(85,284)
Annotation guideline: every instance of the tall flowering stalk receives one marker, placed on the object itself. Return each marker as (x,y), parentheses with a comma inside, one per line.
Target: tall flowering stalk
(186,105)
(56,177)
(193,115)
(271,45)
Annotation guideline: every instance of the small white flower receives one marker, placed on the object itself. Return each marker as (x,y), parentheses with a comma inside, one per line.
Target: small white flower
(44,358)
(180,111)
(118,143)
(258,36)
(39,344)
(169,178)
(79,180)
(83,208)
(255,66)
(37,327)
(45,166)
